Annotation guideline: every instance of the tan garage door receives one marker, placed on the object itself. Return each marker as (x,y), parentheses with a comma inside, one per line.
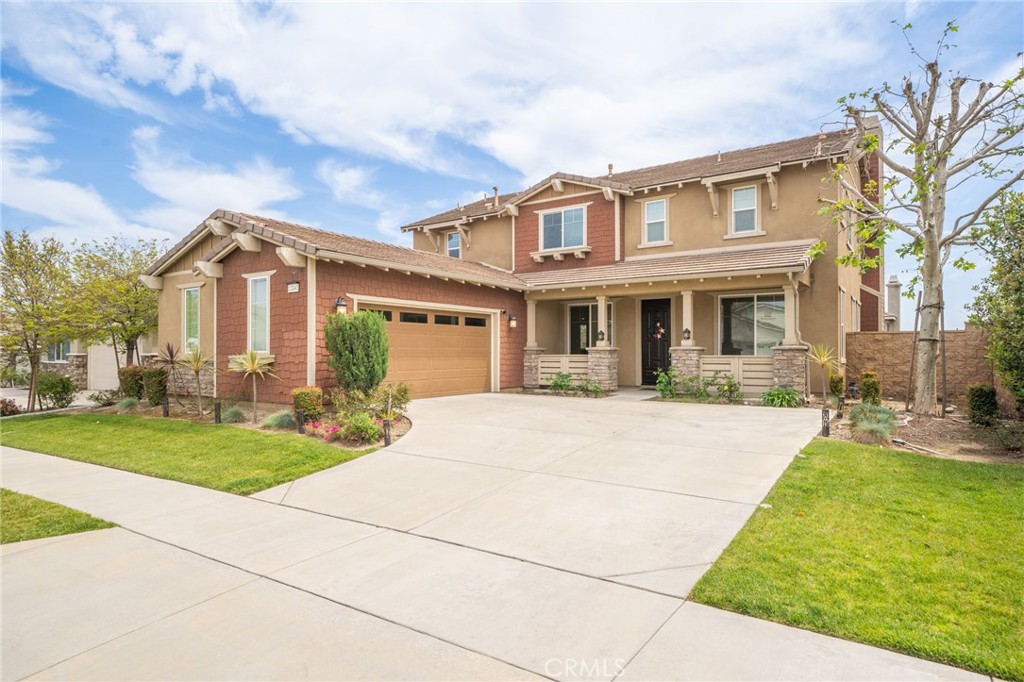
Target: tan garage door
(438,352)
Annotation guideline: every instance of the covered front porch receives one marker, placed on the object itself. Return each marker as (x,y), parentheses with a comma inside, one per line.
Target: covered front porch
(625,334)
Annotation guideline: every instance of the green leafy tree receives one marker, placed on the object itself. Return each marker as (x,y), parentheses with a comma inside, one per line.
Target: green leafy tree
(945,132)
(358,345)
(999,306)
(120,308)
(36,299)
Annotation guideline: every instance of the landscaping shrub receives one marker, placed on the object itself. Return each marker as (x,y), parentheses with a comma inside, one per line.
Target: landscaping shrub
(667,383)
(129,403)
(55,390)
(129,378)
(561,382)
(154,385)
(105,398)
(8,407)
(871,388)
(589,388)
(982,407)
(11,376)
(1010,436)
(278,420)
(360,428)
(350,402)
(233,415)
(729,390)
(835,385)
(309,399)
(781,396)
(358,347)
(870,423)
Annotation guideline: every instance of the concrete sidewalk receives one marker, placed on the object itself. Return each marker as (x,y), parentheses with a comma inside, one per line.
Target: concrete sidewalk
(202,584)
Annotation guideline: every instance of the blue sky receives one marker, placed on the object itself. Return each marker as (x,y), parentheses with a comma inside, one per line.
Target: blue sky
(142,118)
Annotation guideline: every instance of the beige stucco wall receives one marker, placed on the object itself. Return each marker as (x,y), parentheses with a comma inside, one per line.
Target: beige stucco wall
(490,242)
(170,325)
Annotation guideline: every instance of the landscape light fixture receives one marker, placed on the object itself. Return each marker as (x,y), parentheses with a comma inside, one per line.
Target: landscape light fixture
(686,335)
(340,305)
(512,322)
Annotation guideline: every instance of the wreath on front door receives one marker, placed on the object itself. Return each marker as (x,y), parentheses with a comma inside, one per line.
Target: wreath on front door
(656,331)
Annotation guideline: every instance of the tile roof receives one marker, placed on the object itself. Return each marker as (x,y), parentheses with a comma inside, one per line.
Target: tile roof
(312,241)
(782,257)
(821,145)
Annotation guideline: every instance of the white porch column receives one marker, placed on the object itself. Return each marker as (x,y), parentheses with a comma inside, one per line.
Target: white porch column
(602,319)
(531,323)
(791,338)
(687,300)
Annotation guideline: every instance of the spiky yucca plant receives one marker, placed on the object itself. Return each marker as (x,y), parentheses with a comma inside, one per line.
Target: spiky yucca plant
(824,356)
(252,364)
(194,361)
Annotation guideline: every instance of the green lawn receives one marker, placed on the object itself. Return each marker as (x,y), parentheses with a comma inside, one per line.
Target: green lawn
(914,554)
(27,518)
(216,456)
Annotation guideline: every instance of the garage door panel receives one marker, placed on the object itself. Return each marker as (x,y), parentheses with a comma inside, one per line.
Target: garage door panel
(439,359)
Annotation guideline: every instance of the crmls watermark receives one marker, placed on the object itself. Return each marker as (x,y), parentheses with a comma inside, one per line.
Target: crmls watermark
(584,668)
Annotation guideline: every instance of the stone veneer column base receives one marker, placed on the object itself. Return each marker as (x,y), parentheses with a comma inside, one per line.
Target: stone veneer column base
(789,367)
(531,367)
(603,367)
(686,359)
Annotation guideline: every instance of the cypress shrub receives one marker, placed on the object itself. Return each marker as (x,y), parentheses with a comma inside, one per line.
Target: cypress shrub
(982,407)
(358,347)
(309,399)
(871,388)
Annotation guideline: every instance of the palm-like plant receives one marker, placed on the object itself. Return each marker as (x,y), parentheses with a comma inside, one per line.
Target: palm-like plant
(825,357)
(194,361)
(251,363)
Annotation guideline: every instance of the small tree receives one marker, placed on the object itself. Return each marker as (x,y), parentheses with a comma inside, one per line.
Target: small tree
(251,363)
(120,308)
(36,307)
(358,345)
(999,306)
(194,361)
(946,132)
(824,357)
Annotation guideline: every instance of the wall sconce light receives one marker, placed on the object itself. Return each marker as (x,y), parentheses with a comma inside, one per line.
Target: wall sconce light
(512,322)
(686,335)
(340,305)
(600,335)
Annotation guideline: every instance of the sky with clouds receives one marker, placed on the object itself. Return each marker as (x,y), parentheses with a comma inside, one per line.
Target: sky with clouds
(142,118)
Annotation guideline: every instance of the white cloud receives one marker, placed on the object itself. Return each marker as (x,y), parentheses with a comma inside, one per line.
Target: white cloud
(350,185)
(191,189)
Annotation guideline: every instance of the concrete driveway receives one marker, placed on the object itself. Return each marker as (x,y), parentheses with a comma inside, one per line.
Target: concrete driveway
(506,537)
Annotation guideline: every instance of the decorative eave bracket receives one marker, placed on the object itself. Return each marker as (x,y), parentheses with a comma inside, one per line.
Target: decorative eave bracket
(291,257)
(219,227)
(464,235)
(773,189)
(246,241)
(151,282)
(208,269)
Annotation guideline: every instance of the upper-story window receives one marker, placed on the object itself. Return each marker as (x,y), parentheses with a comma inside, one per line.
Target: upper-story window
(453,244)
(656,221)
(744,210)
(58,352)
(259,314)
(190,317)
(563,229)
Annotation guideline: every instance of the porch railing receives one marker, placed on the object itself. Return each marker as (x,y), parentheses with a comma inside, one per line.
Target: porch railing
(574,365)
(754,372)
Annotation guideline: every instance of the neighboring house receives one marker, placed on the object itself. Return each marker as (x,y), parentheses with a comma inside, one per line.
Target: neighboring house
(701,264)
(93,367)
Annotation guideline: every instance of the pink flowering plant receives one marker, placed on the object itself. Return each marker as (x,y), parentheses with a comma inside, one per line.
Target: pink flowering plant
(327,430)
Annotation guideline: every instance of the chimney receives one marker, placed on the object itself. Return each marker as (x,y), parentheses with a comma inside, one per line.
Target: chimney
(892,303)
(611,167)
(719,157)
(495,188)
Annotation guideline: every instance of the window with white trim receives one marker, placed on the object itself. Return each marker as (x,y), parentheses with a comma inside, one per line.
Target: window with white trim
(259,314)
(744,210)
(563,229)
(656,221)
(58,352)
(752,324)
(453,243)
(190,318)
(583,327)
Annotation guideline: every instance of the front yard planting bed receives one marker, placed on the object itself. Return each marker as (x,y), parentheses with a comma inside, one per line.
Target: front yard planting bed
(219,456)
(911,553)
(29,518)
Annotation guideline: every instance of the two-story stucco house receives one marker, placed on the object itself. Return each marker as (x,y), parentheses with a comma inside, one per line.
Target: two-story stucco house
(701,264)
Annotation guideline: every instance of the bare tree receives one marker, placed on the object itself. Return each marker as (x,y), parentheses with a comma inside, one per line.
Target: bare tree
(945,132)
